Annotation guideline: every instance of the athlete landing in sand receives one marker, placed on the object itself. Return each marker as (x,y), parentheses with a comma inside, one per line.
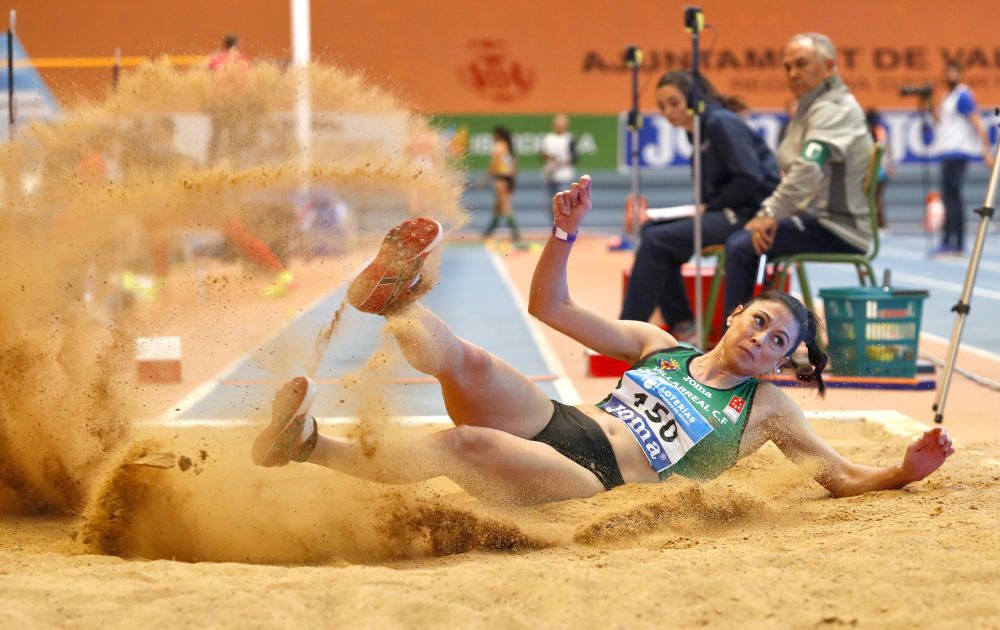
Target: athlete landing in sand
(676,411)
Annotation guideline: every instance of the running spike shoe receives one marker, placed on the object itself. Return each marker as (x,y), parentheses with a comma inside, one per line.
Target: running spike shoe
(391,279)
(292,434)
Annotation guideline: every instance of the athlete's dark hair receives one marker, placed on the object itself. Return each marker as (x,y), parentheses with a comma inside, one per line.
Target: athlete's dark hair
(808,327)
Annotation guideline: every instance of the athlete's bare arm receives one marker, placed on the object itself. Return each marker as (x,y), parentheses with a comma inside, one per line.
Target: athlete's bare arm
(782,422)
(551,302)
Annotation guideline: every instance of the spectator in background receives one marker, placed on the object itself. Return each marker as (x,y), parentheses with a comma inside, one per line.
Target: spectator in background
(791,106)
(503,170)
(236,112)
(737,105)
(233,107)
(880,135)
(558,157)
(230,55)
(959,137)
(738,173)
(820,204)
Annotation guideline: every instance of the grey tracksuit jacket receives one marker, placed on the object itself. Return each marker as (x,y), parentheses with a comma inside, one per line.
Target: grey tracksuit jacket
(833,193)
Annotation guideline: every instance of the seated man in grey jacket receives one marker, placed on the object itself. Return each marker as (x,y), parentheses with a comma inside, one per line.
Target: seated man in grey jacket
(820,204)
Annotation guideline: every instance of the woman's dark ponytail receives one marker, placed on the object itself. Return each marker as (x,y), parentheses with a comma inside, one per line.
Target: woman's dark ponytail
(817,358)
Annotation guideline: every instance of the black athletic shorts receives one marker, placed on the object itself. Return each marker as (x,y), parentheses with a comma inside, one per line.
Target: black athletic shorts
(576,436)
(509,179)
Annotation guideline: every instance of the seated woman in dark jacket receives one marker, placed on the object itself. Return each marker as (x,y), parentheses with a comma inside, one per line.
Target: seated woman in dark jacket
(738,172)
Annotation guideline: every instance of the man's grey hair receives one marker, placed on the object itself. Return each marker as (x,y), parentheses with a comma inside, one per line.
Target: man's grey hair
(823,45)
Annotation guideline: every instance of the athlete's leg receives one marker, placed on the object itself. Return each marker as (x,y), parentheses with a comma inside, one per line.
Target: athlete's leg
(479,388)
(501,192)
(508,209)
(487,463)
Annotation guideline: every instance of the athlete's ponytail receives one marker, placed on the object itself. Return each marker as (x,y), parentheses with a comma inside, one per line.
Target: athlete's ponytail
(817,358)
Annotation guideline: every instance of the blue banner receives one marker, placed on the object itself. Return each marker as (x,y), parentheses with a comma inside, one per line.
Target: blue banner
(664,146)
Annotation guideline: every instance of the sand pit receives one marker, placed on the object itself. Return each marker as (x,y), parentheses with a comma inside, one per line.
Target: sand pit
(212,504)
(760,547)
(108,522)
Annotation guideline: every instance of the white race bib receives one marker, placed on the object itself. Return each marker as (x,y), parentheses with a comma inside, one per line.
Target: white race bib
(662,420)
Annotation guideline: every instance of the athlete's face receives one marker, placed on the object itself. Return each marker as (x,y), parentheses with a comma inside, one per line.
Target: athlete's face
(805,68)
(760,336)
(673,105)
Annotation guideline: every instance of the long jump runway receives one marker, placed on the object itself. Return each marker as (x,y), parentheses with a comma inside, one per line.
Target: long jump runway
(475,298)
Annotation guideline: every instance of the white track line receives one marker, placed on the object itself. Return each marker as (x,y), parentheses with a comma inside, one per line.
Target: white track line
(230,423)
(892,421)
(954,287)
(979,352)
(568,394)
(963,263)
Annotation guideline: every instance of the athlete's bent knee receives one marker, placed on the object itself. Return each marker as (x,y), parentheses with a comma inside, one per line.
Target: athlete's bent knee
(470,444)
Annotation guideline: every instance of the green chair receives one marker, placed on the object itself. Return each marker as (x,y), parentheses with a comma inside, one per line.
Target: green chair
(862,262)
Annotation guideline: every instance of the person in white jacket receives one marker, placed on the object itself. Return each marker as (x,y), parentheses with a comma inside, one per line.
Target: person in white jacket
(557,156)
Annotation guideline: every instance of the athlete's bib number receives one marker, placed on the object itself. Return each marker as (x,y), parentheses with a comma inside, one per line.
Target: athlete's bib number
(665,423)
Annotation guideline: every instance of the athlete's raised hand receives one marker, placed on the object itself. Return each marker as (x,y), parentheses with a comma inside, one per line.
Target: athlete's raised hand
(570,206)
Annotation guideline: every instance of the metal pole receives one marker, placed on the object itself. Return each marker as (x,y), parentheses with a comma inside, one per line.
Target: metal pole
(10,76)
(962,307)
(633,59)
(694,23)
(301,50)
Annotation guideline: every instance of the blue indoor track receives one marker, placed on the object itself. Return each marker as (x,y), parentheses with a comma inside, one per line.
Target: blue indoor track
(472,296)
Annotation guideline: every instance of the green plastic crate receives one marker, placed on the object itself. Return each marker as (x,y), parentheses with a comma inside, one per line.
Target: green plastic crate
(873,331)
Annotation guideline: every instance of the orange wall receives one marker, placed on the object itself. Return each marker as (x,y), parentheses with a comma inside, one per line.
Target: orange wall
(479,56)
